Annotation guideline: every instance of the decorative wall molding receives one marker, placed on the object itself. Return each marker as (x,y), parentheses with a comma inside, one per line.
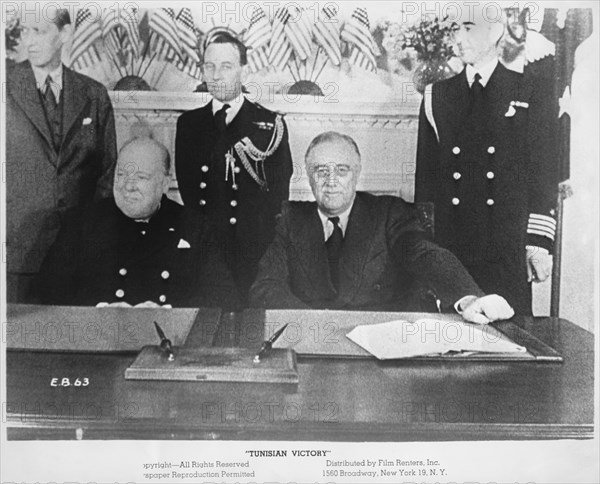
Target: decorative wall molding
(386,133)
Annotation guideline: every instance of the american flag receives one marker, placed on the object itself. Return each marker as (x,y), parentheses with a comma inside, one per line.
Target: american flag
(257,40)
(164,33)
(327,33)
(110,33)
(83,51)
(356,33)
(280,49)
(129,23)
(298,30)
(120,30)
(187,34)
(190,60)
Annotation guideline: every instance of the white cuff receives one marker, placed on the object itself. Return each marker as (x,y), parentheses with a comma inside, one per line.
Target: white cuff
(457,303)
(537,249)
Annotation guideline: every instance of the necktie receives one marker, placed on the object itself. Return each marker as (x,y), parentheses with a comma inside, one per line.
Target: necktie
(220,117)
(334,247)
(49,96)
(52,114)
(476,92)
(220,146)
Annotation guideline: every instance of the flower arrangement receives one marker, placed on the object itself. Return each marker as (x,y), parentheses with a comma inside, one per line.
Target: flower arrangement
(389,38)
(431,38)
(12,34)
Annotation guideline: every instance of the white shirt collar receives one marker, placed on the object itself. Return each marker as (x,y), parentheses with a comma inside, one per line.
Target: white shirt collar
(57,79)
(328,226)
(235,106)
(485,72)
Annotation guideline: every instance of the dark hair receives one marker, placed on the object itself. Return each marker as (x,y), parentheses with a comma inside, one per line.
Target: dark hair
(227,38)
(61,18)
(329,136)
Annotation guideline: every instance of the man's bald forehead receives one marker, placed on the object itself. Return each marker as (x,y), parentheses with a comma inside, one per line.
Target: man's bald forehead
(147,146)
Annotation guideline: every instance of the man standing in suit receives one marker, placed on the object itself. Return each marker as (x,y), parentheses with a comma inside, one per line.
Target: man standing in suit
(60,146)
(233,161)
(140,248)
(486,158)
(352,250)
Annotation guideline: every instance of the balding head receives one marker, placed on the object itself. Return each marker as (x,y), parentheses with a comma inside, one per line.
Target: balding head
(141,177)
(146,146)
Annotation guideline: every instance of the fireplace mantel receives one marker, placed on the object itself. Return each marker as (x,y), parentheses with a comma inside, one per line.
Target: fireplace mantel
(386,133)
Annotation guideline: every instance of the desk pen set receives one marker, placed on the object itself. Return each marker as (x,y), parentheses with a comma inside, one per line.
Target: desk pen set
(165,362)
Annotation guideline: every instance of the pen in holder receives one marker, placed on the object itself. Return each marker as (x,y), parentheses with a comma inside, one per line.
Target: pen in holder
(268,344)
(165,343)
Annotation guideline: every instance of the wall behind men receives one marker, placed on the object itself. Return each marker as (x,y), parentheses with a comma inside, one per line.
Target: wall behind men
(386,133)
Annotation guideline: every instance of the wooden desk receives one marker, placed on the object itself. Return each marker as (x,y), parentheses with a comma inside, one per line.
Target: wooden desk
(336,400)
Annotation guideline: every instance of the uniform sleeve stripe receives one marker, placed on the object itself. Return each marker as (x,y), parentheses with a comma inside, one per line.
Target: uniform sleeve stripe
(545,233)
(539,232)
(542,222)
(540,225)
(541,218)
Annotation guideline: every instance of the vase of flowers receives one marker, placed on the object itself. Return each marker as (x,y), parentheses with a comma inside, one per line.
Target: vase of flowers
(431,39)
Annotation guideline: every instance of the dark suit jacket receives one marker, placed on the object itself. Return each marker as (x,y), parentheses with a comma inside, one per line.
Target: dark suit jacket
(100,251)
(42,184)
(200,169)
(384,253)
(488,156)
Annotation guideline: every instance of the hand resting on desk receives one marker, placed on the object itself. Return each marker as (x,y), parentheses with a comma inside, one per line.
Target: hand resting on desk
(123,304)
(485,309)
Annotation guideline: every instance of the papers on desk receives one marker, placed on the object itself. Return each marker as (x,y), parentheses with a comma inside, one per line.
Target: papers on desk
(425,337)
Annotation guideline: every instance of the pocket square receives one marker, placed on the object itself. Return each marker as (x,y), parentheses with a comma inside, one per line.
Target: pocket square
(183,244)
(86,121)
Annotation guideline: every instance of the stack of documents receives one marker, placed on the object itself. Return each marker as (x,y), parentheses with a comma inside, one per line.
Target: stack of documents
(424,337)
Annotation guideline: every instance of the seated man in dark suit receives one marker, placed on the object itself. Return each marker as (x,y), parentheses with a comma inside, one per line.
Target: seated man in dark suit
(352,250)
(139,248)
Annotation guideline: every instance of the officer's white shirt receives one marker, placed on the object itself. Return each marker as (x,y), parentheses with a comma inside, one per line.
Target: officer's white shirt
(485,72)
(234,107)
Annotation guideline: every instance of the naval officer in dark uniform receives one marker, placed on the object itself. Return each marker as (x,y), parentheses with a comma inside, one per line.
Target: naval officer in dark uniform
(486,157)
(138,249)
(233,161)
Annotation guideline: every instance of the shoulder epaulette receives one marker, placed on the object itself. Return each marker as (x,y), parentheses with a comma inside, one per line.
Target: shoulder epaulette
(260,106)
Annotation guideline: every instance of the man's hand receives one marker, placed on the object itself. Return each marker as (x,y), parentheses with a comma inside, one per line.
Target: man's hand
(147,304)
(484,310)
(152,304)
(539,264)
(120,304)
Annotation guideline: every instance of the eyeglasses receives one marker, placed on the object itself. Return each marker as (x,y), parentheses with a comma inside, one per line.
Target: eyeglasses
(325,171)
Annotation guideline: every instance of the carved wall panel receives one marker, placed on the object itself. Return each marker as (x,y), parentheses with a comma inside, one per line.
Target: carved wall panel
(385,133)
